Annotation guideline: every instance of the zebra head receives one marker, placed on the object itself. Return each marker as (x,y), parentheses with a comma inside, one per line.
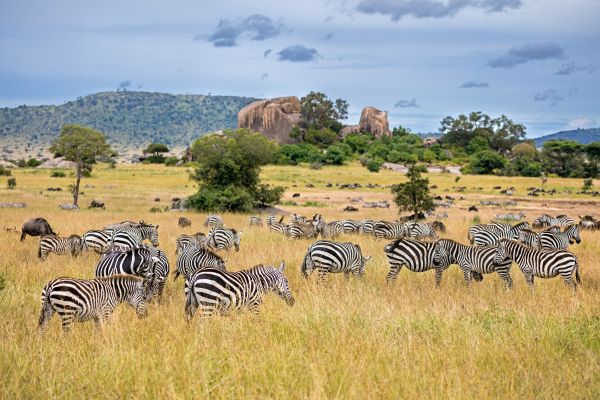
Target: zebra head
(153,235)
(237,238)
(282,286)
(76,245)
(501,252)
(139,295)
(572,232)
(441,255)
(362,260)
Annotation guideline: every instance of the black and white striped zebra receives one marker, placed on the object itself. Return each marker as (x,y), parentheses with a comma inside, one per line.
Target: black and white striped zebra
(539,263)
(97,240)
(415,256)
(278,227)
(84,299)
(255,220)
(548,220)
(490,235)
(366,226)
(132,237)
(194,258)
(271,218)
(388,230)
(214,221)
(472,259)
(185,240)
(350,226)
(559,240)
(223,239)
(327,230)
(333,257)
(215,290)
(419,230)
(301,230)
(71,245)
(297,218)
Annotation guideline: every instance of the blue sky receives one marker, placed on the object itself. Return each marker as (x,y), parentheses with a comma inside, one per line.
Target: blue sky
(537,61)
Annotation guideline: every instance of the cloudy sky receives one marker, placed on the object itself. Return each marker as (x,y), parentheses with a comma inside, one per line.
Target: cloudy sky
(537,61)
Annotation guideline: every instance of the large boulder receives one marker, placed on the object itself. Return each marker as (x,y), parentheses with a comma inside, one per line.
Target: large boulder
(349,129)
(274,118)
(374,121)
(59,162)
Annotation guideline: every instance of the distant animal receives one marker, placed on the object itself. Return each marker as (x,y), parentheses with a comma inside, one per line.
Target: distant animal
(548,220)
(220,238)
(215,290)
(511,216)
(473,208)
(125,224)
(415,256)
(84,299)
(185,240)
(68,206)
(333,257)
(36,227)
(301,230)
(490,234)
(296,195)
(350,209)
(214,221)
(255,220)
(277,226)
(97,204)
(10,229)
(437,226)
(329,230)
(71,245)
(184,222)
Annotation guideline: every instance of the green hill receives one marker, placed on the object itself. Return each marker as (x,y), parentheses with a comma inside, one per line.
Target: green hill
(583,136)
(129,119)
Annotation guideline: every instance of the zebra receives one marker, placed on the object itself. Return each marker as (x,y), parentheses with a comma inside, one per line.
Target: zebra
(255,220)
(278,227)
(147,262)
(414,255)
(388,230)
(85,299)
(511,216)
(301,230)
(271,219)
(194,258)
(559,240)
(223,239)
(215,290)
(548,220)
(297,218)
(494,232)
(327,230)
(60,246)
(132,237)
(214,221)
(334,257)
(185,240)
(419,230)
(366,226)
(350,226)
(541,264)
(472,259)
(97,240)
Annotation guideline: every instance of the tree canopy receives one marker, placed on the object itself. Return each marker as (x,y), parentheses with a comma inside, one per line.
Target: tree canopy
(413,196)
(319,112)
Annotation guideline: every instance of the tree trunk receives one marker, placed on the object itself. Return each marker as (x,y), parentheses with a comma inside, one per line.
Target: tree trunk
(76,190)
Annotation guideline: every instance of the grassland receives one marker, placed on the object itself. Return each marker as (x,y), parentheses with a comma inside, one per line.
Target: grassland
(352,339)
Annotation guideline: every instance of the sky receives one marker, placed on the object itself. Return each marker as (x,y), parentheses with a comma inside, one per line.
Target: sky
(536,61)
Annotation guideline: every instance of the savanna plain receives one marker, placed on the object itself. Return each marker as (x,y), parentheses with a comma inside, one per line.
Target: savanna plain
(348,339)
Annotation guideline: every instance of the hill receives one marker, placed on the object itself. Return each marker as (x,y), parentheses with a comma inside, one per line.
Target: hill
(129,119)
(583,136)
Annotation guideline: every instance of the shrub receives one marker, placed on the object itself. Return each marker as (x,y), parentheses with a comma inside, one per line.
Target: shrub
(335,155)
(486,162)
(316,165)
(171,161)
(588,183)
(374,165)
(33,162)
(57,174)
(295,153)
(230,198)
(475,220)
(532,169)
(11,183)
(5,171)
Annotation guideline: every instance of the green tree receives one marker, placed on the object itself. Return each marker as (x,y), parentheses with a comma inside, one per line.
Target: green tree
(83,146)
(413,196)
(562,157)
(320,112)
(320,137)
(228,171)
(486,162)
(157,150)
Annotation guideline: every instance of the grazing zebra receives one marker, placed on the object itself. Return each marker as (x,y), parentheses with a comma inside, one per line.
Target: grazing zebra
(350,226)
(559,240)
(366,226)
(185,240)
(419,230)
(85,299)
(333,257)
(60,246)
(297,218)
(541,264)
(255,220)
(132,237)
(327,230)
(278,227)
(223,239)
(437,226)
(548,220)
(511,216)
(97,240)
(215,290)
(214,221)
(494,232)
(414,255)
(388,230)
(301,230)
(472,259)
(194,258)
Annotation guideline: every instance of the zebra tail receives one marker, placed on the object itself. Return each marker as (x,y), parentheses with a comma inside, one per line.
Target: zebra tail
(577,278)
(395,244)
(191,304)
(40,249)
(305,264)
(175,274)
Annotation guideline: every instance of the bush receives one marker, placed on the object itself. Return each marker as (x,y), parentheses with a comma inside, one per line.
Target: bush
(486,162)
(5,171)
(295,153)
(11,183)
(336,155)
(316,165)
(171,161)
(33,162)
(533,169)
(154,159)
(320,137)
(374,165)
(476,220)
(57,174)
(588,183)
(230,198)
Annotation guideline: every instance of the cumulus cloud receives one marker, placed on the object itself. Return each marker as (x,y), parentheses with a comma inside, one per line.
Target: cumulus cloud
(581,123)
(527,52)
(571,68)
(412,103)
(397,9)
(124,84)
(474,84)
(551,96)
(297,53)
(255,27)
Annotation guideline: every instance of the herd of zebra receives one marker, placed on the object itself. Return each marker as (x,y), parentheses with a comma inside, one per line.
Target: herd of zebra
(132,272)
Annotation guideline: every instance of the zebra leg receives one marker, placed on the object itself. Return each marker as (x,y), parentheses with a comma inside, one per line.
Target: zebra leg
(529,279)
(67,320)
(322,276)
(393,274)
(254,307)
(505,276)
(438,276)
(45,316)
(468,277)
(570,282)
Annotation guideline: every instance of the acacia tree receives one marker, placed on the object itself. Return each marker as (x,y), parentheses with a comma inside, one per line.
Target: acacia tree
(83,146)
(319,112)
(157,150)
(413,196)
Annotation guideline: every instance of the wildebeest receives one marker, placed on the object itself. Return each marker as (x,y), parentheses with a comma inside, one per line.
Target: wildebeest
(350,209)
(36,227)
(473,208)
(296,195)
(183,222)
(97,204)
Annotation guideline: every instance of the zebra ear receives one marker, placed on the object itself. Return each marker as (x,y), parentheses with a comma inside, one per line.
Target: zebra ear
(367,258)
(157,227)
(282,266)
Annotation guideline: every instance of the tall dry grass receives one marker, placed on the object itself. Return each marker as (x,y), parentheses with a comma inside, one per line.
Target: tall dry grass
(350,339)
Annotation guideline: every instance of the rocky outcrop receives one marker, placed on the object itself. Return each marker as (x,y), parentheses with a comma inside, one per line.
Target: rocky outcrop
(274,118)
(59,162)
(374,121)
(348,129)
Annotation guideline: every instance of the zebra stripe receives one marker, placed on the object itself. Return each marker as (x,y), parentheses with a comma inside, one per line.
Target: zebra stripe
(97,240)
(388,230)
(541,264)
(415,256)
(471,259)
(366,226)
(278,227)
(559,240)
(133,237)
(223,239)
(419,230)
(301,230)
(83,299)
(333,257)
(548,220)
(255,220)
(215,290)
(214,221)
(327,230)
(491,234)
(60,246)
(185,240)
(194,258)
(350,226)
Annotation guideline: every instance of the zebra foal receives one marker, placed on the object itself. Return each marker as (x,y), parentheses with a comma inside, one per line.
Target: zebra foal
(71,245)
(333,257)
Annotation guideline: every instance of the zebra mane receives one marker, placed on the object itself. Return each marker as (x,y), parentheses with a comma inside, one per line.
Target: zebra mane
(233,230)
(392,246)
(116,277)
(74,237)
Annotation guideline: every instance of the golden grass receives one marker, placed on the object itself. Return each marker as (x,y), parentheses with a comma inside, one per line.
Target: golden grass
(352,339)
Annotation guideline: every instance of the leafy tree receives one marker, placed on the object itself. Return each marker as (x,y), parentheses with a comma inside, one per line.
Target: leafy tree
(81,145)
(562,157)
(33,162)
(358,142)
(157,150)
(485,162)
(228,171)
(337,154)
(320,112)
(413,196)
(320,137)
(374,165)
(303,152)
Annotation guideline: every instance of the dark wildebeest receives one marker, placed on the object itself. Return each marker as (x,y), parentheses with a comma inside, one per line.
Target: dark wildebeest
(36,227)
(296,195)
(97,204)
(183,222)
(473,208)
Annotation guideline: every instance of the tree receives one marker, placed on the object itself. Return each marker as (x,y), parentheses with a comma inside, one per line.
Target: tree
(157,150)
(413,196)
(562,157)
(228,171)
(319,112)
(83,146)
(485,162)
